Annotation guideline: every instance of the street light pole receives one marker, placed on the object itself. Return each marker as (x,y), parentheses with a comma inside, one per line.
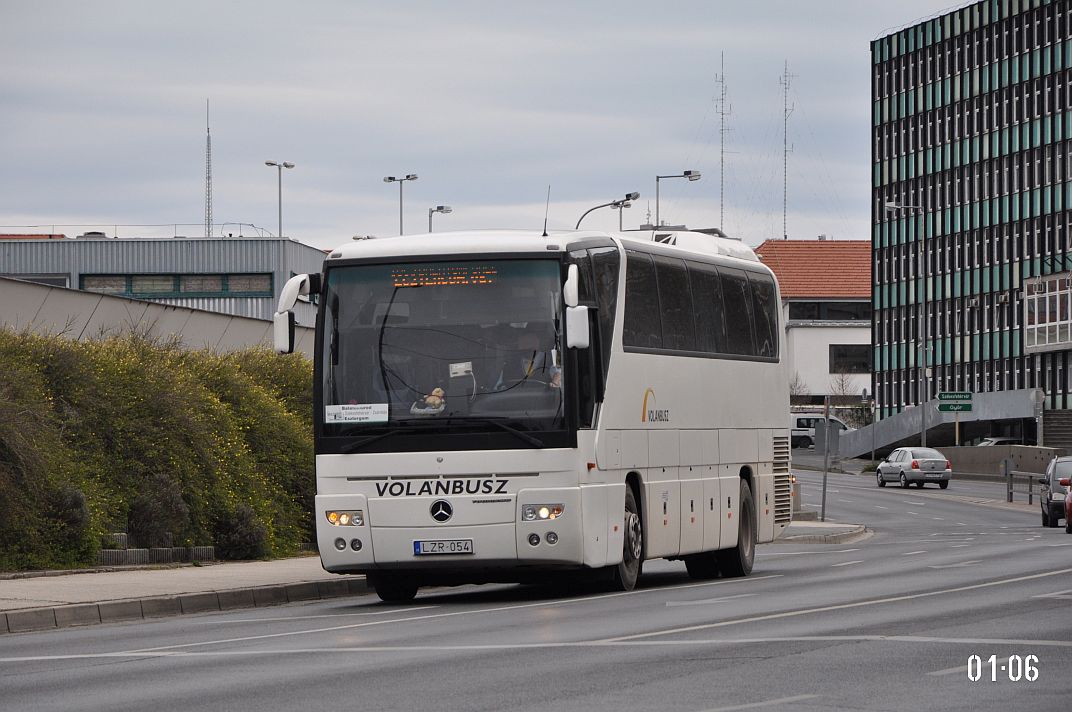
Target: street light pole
(691,175)
(437,209)
(617,204)
(280,165)
(400,181)
(924,382)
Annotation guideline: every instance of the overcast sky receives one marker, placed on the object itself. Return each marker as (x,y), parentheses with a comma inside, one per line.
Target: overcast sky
(103,113)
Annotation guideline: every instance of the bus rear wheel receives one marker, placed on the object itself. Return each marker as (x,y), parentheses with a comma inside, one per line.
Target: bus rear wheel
(624,576)
(738,560)
(393,588)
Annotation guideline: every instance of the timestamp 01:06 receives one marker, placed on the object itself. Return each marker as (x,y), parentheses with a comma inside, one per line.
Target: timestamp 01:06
(1015,666)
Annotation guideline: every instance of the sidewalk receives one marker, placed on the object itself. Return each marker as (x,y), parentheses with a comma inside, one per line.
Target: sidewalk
(58,599)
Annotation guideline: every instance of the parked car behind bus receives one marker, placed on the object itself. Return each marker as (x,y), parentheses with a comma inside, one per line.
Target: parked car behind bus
(1054,491)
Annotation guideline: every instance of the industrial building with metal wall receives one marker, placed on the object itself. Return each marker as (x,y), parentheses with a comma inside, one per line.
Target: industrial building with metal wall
(971,210)
(237,276)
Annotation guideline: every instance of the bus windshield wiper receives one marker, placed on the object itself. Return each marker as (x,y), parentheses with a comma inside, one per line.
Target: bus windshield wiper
(519,434)
(354,447)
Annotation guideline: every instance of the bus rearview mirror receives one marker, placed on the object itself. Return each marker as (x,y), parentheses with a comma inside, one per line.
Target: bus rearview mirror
(283,332)
(577,328)
(570,290)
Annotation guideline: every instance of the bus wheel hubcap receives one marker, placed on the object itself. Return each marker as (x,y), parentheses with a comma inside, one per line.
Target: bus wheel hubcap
(633,534)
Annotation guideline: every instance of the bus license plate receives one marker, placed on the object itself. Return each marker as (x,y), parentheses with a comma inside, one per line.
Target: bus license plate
(442,546)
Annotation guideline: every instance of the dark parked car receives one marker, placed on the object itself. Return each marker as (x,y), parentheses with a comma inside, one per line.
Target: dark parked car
(1052,496)
(915,465)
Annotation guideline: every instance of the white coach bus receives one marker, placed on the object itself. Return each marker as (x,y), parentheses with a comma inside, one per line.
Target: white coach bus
(508,406)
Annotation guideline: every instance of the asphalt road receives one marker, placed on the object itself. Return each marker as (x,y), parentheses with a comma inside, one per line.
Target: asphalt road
(885,623)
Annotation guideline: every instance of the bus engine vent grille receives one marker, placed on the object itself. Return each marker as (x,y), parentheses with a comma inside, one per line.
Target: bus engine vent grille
(783,499)
(781,455)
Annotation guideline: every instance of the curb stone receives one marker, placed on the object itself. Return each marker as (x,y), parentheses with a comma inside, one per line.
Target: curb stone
(156,607)
(856,533)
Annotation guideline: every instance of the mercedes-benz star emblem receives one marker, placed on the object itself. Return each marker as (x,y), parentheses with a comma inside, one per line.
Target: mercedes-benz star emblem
(441,510)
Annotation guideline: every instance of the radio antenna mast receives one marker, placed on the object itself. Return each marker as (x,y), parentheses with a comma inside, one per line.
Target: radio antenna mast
(208,174)
(546,210)
(723,113)
(786,111)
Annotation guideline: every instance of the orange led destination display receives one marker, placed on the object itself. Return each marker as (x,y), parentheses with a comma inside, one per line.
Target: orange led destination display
(444,276)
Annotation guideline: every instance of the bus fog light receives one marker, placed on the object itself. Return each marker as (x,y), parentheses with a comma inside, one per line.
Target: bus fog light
(340,544)
(349,518)
(534,539)
(355,544)
(552,538)
(539,512)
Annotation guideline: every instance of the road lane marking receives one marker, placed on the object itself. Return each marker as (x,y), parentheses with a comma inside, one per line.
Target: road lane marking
(225,621)
(960,565)
(451,614)
(949,671)
(879,506)
(974,642)
(674,604)
(938,519)
(1066,595)
(840,607)
(765,703)
(915,513)
(959,546)
(847,501)
(846,563)
(1065,544)
(804,553)
(910,553)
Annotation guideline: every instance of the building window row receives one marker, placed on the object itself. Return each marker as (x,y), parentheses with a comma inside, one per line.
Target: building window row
(179,285)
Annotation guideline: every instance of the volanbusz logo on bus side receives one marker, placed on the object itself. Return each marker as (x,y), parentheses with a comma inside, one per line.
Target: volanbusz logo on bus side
(441,487)
(653,414)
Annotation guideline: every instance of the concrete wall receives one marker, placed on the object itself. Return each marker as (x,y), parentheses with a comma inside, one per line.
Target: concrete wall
(85,315)
(987,460)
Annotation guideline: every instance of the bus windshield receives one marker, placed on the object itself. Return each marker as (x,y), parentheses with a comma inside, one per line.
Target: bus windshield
(470,346)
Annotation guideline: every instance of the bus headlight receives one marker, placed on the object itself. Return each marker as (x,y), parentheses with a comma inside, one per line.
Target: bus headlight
(350,518)
(538,512)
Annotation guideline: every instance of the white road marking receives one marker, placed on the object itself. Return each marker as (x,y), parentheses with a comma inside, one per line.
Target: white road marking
(451,614)
(1065,544)
(847,501)
(803,553)
(974,642)
(879,506)
(959,546)
(226,621)
(673,604)
(961,565)
(915,513)
(846,563)
(910,553)
(765,703)
(961,524)
(938,519)
(1065,595)
(949,671)
(841,606)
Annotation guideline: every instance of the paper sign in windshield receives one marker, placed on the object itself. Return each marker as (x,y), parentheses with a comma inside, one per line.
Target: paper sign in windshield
(359,413)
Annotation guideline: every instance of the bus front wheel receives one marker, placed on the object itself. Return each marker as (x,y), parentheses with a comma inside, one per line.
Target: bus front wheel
(738,560)
(625,574)
(393,588)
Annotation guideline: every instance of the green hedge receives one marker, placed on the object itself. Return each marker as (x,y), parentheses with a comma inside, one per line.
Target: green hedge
(130,434)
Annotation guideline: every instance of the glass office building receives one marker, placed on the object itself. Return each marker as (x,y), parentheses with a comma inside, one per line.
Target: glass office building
(971,204)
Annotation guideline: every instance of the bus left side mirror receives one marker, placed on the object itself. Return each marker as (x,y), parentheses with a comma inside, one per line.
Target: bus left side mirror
(283,332)
(577,328)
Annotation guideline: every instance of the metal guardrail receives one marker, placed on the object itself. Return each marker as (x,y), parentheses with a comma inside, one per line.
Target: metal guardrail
(1021,482)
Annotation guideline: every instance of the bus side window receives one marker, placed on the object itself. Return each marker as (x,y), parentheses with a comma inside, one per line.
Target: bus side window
(675,298)
(765,313)
(605,265)
(707,302)
(643,323)
(738,299)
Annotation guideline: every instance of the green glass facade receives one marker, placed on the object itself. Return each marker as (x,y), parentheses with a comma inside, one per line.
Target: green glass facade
(971,195)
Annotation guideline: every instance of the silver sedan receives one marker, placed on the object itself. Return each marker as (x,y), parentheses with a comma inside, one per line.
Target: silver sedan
(915,465)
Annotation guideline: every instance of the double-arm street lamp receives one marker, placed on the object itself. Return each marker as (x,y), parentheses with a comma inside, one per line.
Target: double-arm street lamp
(616,204)
(691,175)
(921,350)
(438,209)
(400,181)
(280,165)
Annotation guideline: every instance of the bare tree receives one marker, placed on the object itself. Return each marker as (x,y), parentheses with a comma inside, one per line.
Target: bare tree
(798,386)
